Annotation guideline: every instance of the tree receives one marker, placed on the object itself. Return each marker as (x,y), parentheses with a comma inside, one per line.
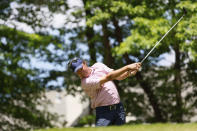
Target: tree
(22,85)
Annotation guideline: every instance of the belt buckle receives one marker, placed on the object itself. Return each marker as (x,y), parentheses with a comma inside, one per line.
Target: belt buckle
(112,107)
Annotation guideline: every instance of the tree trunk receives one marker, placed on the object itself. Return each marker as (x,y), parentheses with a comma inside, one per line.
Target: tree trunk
(89,32)
(177,75)
(91,46)
(118,31)
(177,84)
(108,58)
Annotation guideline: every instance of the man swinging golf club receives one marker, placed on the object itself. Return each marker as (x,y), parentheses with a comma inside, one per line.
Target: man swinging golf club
(97,83)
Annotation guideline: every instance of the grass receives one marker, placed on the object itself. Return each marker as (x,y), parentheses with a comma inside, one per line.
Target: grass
(139,127)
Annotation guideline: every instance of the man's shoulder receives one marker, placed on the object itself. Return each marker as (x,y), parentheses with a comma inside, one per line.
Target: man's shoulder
(98,64)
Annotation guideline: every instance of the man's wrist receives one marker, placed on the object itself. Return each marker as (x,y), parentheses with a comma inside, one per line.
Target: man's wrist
(127,68)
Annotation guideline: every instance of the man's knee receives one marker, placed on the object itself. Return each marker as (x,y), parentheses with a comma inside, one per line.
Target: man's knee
(103,122)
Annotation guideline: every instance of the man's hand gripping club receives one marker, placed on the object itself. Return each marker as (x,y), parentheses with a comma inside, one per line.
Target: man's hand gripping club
(121,73)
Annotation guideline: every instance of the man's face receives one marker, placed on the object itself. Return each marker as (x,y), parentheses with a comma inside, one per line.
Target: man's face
(83,72)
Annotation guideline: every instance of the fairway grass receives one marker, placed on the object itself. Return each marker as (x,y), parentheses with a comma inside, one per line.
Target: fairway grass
(139,127)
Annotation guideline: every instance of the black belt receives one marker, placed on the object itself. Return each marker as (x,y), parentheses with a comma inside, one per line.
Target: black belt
(109,107)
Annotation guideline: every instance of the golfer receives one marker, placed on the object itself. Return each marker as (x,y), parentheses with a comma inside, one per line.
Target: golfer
(97,83)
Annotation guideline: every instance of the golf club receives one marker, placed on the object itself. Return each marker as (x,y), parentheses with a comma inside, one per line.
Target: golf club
(185,12)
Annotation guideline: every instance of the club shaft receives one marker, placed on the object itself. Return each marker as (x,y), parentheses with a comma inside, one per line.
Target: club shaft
(161,39)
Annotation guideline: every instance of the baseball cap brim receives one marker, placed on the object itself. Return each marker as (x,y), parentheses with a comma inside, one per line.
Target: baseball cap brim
(78,67)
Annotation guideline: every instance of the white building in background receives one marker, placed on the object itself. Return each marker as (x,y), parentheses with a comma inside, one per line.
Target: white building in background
(69,107)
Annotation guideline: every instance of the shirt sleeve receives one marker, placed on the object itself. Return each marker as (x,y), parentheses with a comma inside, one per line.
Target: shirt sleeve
(106,68)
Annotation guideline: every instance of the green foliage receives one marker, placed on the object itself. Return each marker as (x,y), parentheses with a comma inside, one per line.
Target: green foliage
(86,120)
(107,9)
(22,85)
(146,34)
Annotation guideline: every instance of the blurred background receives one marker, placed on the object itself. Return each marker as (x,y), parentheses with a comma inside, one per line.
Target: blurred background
(39,37)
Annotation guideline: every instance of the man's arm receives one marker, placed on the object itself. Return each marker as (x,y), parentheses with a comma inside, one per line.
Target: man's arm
(127,74)
(116,73)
